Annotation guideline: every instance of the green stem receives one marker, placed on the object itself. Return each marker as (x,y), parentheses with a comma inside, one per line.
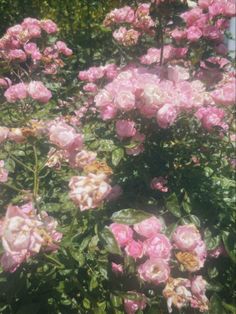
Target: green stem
(12,187)
(55,261)
(20,162)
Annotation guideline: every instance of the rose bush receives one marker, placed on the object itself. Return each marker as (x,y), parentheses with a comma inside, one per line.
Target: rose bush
(117,182)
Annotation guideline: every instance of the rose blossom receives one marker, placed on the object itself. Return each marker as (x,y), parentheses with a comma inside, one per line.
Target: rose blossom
(159,183)
(133,305)
(117,268)
(125,128)
(158,246)
(89,191)
(199,299)
(177,292)
(154,271)
(48,26)
(134,249)
(23,235)
(166,115)
(65,136)
(122,233)
(16,92)
(38,91)
(148,227)
(186,237)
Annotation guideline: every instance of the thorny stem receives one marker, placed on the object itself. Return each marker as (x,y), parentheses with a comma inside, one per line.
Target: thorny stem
(55,261)
(20,162)
(12,187)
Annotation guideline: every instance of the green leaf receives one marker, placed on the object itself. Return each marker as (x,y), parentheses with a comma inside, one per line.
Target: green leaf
(195,220)
(229,245)
(106,146)
(172,205)
(216,305)
(29,309)
(117,155)
(229,307)
(86,303)
(130,216)
(111,244)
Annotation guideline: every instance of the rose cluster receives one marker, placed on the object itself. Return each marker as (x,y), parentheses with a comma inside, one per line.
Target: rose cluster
(19,45)
(153,252)
(138,20)
(24,233)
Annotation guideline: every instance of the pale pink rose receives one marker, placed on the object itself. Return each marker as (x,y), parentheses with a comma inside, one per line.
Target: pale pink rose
(198,286)
(55,158)
(24,235)
(166,116)
(130,38)
(201,252)
(149,227)
(122,15)
(5,82)
(177,292)
(204,4)
(117,268)
(133,305)
(155,271)
(122,233)
(38,91)
(119,34)
(177,73)
(211,117)
(143,20)
(194,33)
(108,112)
(3,172)
(90,87)
(159,183)
(3,133)
(16,92)
(111,71)
(125,128)
(92,74)
(89,191)
(220,250)
(16,135)
(212,32)
(158,246)
(65,136)
(83,158)
(115,193)
(62,48)
(191,16)
(48,26)
(125,100)
(186,237)
(137,146)
(178,34)
(17,54)
(225,95)
(134,249)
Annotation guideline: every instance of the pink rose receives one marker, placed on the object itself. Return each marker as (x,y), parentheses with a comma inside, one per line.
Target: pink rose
(125,128)
(117,268)
(166,116)
(198,286)
(125,100)
(38,91)
(194,33)
(122,233)
(89,191)
(133,305)
(159,183)
(16,92)
(134,249)
(186,237)
(149,227)
(158,246)
(155,271)
(48,26)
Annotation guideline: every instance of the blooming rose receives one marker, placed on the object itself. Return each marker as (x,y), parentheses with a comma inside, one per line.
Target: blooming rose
(186,237)
(24,234)
(133,305)
(148,227)
(122,233)
(16,92)
(65,136)
(166,115)
(134,249)
(117,268)
(38,91)
(158,183)
(177,292)
(158,246)
(154,271)
(89,191)
(48,26)
(125,128)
